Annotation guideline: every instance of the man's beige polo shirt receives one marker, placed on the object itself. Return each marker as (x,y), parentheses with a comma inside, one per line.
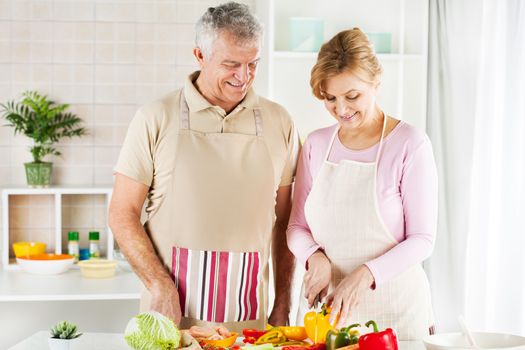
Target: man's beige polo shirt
(149,149)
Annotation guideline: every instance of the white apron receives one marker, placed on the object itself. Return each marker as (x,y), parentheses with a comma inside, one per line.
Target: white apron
(343,215)
(213,229)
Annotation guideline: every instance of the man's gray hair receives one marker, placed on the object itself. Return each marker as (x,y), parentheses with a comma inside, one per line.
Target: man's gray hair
(232,17)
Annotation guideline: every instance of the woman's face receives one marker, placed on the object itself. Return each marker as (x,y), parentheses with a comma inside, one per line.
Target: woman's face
(350,100)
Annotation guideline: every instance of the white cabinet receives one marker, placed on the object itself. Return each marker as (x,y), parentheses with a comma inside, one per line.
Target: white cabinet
(39,301)
(57,238)
(285,75)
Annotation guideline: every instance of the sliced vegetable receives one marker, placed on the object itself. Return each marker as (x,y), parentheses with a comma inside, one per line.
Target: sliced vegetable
(293,343)
(249,340)
(317,324)
(311,347)
(226,342)
(294,332)
(271,337)
(385,340)
(254,333)
(258,347)
(350,347)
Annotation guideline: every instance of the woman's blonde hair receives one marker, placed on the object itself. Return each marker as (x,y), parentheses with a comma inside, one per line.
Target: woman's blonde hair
(348,51)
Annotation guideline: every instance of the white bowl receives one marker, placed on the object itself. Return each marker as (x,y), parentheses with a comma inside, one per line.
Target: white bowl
(97,268)
(46,264)
(458,341)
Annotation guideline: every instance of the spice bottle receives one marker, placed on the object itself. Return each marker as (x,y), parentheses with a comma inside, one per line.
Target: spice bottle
(84,254)
(94,250)
(72,245)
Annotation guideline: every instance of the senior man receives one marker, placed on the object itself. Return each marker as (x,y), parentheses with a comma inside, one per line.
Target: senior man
(216,163)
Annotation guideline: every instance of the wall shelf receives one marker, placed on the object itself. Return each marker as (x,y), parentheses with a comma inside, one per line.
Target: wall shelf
(313,55)
(284,76)
(17,285)
(58,194)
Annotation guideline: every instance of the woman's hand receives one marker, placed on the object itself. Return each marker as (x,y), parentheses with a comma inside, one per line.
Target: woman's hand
(317,277)
(348,294)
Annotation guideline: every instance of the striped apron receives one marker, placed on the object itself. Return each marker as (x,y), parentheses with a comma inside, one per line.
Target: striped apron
(213,228)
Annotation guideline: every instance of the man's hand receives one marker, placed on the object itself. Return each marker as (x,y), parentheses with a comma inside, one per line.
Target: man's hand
(279,315)
(165,300)
(124,219)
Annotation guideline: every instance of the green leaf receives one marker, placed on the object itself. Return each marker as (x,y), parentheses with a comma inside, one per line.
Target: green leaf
(44,121)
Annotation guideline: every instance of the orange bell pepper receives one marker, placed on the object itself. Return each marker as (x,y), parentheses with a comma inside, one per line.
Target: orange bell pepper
(317,324)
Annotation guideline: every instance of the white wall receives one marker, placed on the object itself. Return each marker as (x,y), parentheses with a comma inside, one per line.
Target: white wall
(105,58)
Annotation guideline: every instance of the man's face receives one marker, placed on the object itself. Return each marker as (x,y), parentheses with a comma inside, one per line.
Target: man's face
(229,72)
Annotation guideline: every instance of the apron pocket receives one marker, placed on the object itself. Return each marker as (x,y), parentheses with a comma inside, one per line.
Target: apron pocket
(217,286)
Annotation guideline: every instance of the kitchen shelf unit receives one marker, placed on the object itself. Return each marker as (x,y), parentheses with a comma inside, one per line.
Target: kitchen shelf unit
(58,193)
(68,286)
(284,75)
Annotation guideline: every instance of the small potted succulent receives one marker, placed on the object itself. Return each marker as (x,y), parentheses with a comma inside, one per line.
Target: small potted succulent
(63,336)
(46,122)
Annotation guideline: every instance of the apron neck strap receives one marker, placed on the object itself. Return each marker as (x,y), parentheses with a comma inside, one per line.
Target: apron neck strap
(184,119)
(331,142)
(380,140)
(258,122)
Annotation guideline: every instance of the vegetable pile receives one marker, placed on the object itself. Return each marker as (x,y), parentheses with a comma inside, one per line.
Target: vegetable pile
(276,336)
(324,335)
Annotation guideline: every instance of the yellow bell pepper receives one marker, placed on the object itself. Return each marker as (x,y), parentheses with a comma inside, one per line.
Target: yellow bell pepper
(317,324)
(222,343)
(271,337)
(294,332)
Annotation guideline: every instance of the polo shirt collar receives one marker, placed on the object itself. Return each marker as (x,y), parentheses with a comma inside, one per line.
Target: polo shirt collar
(196,102)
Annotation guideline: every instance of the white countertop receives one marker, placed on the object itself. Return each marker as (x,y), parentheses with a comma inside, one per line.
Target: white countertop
(18,285)
(115,341)
(87,341)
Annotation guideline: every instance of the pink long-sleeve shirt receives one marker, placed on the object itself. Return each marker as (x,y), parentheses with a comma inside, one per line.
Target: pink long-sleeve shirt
(406,190)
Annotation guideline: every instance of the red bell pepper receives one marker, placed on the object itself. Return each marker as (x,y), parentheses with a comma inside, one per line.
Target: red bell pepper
(250,332)
(251,335)
(385,340)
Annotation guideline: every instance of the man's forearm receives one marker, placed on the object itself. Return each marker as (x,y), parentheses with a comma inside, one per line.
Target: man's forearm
(284,266)
(139,251)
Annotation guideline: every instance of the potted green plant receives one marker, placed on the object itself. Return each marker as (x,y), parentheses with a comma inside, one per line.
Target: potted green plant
(63,336)
(46,122)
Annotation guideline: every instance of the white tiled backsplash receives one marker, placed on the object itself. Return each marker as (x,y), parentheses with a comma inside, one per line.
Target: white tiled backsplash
(105,58)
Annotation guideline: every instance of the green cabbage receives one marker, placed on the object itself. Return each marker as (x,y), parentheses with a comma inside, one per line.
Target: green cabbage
(152,331)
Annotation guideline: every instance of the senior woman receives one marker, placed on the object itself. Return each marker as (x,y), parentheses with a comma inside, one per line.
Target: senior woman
(365,205)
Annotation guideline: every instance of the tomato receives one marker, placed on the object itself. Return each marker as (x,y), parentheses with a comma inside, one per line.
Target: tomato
(249,340)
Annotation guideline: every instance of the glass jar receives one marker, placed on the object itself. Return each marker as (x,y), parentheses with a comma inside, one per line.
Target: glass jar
(94,249)
(72,245)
